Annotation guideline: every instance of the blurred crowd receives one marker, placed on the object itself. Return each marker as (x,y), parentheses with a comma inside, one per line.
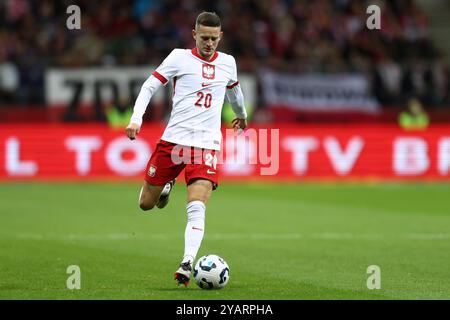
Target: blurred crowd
(296,36)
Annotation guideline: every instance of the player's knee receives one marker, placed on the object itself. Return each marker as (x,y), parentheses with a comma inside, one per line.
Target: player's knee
(146,201)
(145,205)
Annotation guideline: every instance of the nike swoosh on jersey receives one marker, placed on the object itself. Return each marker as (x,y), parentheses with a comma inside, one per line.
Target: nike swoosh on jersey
(206,84)
(210,172)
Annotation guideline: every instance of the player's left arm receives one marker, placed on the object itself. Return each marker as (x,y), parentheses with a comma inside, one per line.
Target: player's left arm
(236,98)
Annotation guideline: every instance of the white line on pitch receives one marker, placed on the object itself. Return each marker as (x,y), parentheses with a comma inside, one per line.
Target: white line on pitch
(231,236)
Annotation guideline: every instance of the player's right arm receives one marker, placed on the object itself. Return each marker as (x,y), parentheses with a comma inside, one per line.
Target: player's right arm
(161,75)
(148,88)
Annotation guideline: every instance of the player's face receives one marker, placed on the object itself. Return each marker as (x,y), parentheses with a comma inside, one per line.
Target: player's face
(206,39)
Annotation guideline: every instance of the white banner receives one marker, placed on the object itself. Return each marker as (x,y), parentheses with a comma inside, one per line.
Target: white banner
(318,92)
(61,85)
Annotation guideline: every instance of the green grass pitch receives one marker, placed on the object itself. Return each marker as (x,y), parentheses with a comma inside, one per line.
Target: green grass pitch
(282,241)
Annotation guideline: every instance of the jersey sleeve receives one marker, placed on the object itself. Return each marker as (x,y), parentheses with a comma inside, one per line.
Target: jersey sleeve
(234,94)
(236,99)
(233,81)
(147,90)
(168,68)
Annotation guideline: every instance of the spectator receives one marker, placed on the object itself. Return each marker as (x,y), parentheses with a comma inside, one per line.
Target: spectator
(414,118)
(9,78)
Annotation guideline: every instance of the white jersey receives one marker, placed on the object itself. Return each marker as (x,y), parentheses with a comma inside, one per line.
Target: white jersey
(199,90)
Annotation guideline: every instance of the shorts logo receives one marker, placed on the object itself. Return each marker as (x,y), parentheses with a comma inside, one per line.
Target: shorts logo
(208,71)
(151,171)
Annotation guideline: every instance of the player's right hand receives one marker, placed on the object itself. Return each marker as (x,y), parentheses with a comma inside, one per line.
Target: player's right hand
(132,131)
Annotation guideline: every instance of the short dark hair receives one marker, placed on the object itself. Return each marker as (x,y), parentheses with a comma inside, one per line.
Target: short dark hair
(209,19)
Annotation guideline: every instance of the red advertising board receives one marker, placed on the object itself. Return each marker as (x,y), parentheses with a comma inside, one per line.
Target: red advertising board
(294,152)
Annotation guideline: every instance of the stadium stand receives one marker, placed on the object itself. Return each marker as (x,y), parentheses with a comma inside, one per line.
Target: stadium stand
(294,37)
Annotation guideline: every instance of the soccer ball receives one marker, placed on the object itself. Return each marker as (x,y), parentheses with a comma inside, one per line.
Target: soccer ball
(211,272)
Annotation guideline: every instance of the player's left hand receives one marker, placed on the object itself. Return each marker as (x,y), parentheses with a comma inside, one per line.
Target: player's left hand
(239,124)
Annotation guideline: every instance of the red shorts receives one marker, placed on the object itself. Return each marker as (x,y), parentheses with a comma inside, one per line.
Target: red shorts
(169,159)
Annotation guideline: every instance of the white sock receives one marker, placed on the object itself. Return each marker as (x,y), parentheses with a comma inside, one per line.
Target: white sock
(195,229)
